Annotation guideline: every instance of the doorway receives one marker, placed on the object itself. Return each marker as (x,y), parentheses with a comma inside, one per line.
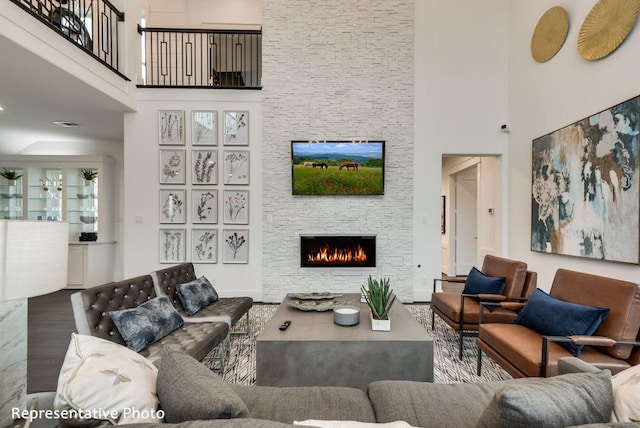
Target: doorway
(472,186)
(465,219)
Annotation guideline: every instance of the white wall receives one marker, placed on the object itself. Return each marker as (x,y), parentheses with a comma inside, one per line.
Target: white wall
(141,191)
(461,73)
(548,96)
(217,14)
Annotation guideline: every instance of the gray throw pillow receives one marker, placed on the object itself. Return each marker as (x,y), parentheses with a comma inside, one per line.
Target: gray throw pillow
(196,295)
(147,323)
(189,391)
(560,401)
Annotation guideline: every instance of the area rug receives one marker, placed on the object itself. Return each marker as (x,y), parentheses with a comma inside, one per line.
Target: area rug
(240,367)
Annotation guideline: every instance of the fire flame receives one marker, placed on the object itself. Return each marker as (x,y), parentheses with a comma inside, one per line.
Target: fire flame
(337,255)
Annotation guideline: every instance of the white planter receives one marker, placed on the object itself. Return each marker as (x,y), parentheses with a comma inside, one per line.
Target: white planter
(380,325)
(12,182)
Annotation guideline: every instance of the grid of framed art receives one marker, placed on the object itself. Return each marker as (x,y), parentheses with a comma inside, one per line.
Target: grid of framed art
(191,193)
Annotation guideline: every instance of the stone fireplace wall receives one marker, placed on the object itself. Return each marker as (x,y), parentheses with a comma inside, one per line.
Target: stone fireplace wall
(336,70)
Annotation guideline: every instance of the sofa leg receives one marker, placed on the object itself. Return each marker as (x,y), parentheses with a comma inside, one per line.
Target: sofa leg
(433,320)
(479,365)
(461,344)
(247,329)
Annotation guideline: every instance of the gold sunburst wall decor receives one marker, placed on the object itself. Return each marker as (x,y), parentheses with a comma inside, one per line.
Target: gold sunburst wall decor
(549,34)
(606,26)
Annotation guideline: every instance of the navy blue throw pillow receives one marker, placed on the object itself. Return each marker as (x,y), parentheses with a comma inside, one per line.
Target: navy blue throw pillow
(479,283)
(549,316)
(196,295)
(146,324)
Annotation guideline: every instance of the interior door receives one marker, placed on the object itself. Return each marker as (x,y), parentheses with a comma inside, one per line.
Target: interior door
(466,220)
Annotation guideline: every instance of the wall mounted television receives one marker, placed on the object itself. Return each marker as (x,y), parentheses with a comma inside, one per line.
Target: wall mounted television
(337,167)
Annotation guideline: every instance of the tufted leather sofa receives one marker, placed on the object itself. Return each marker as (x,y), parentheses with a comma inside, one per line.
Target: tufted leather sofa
(91,313)
(226,309)
(524,353)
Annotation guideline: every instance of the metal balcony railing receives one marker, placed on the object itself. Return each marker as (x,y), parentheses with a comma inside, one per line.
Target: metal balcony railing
(92,25)
(194,58)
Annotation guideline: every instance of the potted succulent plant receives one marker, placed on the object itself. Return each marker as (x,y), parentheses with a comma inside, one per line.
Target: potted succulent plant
(89,175)
(379,297)
(11,175)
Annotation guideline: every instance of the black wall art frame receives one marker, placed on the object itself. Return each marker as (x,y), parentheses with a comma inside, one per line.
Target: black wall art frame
(337,167)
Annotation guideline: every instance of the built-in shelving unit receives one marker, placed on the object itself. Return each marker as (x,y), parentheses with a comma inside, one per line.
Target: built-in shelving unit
(52,188)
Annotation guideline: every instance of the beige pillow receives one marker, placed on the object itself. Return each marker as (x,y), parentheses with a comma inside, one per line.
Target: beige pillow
(103,380)
(626,395)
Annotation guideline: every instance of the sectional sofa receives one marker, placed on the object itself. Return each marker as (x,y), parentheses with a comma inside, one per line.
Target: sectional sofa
(194,397)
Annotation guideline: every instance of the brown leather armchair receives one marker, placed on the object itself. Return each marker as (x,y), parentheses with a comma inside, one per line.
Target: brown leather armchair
(462,312)
(524,353)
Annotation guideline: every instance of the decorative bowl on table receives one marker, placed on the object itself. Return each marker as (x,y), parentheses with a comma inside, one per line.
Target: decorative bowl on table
(81,196)
(346,315)
(88,219)
(314,305)
(324,295)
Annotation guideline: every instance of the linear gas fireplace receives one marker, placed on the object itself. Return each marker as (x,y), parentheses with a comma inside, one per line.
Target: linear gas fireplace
(337,251)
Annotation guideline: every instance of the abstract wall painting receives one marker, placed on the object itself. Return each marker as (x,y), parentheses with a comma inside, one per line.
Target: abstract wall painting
(585,187)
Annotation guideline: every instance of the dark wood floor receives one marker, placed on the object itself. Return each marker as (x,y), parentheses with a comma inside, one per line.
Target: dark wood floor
(50,326)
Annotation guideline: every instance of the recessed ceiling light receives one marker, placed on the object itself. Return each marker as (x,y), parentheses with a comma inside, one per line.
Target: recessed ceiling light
(67,124)
(1,108)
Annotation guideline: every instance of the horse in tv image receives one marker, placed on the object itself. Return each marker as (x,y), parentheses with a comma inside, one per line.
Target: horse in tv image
(349,166)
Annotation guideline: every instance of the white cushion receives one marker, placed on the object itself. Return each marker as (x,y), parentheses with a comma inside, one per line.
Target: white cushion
(350,424)
(626,395)
(107,380)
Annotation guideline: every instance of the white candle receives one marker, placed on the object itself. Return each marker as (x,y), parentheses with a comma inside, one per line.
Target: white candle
(347,311)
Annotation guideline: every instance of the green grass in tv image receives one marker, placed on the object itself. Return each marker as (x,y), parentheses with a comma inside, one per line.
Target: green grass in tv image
(365,180)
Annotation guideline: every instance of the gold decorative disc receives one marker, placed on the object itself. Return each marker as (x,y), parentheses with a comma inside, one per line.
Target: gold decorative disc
(606,26)
(549,34)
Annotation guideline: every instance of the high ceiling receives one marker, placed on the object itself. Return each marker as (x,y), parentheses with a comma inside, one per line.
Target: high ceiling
(34,94)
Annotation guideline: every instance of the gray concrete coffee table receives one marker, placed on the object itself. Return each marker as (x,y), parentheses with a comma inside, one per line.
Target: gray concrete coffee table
(315,351)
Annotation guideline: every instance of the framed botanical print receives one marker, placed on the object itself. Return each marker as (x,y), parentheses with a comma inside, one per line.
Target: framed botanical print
(235,244)
(171,245)
(172,206)
(236,207)
(204,206)
(171,127)
(204,245)
(204,128)
(236,128)
(172,166)
(236,167)
(204,167)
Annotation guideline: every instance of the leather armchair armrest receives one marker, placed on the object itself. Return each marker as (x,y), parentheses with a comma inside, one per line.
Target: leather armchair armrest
(453,279)
(592,340)
(492,297)
(513,306)
(578,340)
